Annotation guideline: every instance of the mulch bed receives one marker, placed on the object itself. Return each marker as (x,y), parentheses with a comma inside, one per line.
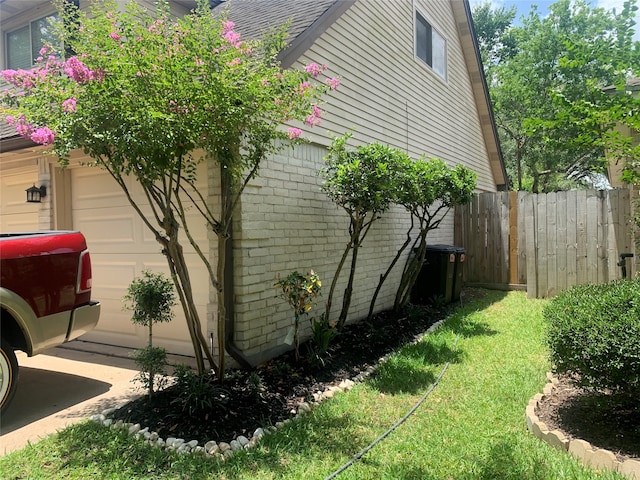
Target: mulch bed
(599,418)
(271,392)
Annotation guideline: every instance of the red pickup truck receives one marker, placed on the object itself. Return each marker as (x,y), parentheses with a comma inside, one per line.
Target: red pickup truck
(45,296)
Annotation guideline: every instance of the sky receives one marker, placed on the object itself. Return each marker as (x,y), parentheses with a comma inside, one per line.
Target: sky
(524,7)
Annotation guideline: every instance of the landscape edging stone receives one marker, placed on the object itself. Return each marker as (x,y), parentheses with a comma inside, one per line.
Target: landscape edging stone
(587,454)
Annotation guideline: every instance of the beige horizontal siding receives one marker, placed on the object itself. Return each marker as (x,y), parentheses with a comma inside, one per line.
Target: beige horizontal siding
(388,95)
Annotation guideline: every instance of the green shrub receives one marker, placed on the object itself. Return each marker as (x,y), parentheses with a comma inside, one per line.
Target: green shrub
(198,393)
(594,336)
(151,298)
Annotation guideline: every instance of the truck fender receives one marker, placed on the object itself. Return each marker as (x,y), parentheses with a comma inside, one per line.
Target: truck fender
(22,313)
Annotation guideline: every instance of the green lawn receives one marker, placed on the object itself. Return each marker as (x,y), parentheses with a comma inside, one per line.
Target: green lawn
(472,425)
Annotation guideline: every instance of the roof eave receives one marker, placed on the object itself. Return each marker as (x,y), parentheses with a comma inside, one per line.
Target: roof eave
(16,142)
(304,41)
(464,21)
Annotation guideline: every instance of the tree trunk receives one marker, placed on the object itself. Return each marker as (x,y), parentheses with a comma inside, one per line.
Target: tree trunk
(335,280)
(384,276)
(348,292)
(411,272)
(222,310)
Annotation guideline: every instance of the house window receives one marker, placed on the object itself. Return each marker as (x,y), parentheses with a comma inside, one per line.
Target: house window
(431,47)
(24,44)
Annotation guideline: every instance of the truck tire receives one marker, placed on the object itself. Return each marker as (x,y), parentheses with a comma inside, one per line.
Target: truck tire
(8,375)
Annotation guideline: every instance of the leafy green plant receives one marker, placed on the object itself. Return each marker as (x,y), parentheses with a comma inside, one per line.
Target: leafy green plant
(593,333)
(300,291)
(361,182)
(151,298)
(255,384)
(427,189)
(198,392)
(323,335)
(152,362)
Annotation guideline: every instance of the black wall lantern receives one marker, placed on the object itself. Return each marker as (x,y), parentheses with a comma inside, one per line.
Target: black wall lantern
(35,194)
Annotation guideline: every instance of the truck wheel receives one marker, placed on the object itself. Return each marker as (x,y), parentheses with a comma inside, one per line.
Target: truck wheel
(8,375)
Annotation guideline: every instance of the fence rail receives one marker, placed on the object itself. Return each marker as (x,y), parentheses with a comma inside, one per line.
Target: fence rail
(548,242)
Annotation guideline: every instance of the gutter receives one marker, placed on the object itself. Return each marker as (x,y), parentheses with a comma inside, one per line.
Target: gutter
(15,142)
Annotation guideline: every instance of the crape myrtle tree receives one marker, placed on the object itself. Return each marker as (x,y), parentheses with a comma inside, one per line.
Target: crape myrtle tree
(428,189)
(149,96)
(360,181)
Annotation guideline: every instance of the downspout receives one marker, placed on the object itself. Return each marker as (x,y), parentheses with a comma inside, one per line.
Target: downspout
(229,297)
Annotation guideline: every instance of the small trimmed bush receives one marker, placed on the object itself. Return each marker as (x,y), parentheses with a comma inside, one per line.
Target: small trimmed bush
(594,336)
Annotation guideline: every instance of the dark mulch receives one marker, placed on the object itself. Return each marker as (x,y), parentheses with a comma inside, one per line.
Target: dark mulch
(603,420)
(271,392)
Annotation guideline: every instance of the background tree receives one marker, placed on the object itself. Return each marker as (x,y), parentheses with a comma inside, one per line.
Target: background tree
(151,97)
(494,33)
(361,182)
(552,63)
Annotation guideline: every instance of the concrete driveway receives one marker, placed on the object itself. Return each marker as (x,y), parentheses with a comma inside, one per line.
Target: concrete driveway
(63,386)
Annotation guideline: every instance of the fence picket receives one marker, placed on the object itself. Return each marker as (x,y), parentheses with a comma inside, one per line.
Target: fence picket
(572,242)
(562,241)
(548,242)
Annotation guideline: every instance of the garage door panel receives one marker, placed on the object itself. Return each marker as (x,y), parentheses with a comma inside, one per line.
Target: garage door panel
(107,231)
(94,188)
(112,278)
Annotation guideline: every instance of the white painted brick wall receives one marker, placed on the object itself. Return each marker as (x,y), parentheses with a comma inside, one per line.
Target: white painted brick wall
(288,223)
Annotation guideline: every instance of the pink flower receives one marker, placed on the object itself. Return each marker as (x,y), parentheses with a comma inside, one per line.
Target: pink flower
(294,132)
(69,105)
(10,119)
(19,78)
(314,69)
(153,28)
(235,61)
(227,26)
(23,127)
(43,136)
(333,83)
(79,72)
(115,35)
(232,38)
(304,86)
(314,119)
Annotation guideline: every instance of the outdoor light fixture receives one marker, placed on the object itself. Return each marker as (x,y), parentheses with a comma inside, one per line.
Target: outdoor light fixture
(35,194)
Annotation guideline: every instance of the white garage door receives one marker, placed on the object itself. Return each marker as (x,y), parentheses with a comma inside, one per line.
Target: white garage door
(121,248)
(16,215)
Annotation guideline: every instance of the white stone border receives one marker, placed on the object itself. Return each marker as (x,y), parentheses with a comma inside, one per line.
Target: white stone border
(597,458)
(223,450)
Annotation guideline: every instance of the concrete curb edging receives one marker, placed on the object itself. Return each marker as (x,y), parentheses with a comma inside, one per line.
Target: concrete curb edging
(587,454)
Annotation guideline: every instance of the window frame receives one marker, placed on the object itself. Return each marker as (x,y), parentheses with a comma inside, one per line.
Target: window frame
(433,34)
(29,25)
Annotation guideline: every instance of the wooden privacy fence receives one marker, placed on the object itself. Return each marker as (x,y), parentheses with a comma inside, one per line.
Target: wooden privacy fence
(546,242)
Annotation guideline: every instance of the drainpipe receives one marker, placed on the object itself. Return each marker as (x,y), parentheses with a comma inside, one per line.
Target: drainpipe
(231,348)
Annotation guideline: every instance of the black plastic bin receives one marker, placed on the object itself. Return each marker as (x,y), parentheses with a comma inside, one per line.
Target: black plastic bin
(457,276)
(437,276)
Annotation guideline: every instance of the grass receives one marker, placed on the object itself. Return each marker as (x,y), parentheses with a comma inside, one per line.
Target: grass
(470,427)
